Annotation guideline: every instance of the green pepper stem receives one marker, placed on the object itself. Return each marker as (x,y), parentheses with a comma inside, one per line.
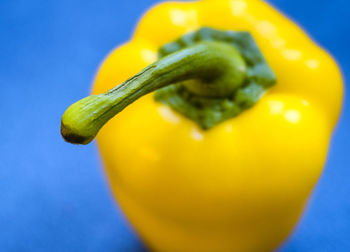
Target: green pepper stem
(216,68)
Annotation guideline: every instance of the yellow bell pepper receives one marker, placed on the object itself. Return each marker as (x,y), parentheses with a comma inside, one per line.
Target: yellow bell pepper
(239,184)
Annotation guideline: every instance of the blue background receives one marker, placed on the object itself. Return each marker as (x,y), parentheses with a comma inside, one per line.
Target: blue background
(53,195)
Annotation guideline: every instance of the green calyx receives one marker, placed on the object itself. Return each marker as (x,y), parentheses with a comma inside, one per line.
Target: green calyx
(209,103)
(208,76)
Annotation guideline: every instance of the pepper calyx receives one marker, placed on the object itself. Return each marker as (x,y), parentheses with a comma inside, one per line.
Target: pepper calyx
(190,98)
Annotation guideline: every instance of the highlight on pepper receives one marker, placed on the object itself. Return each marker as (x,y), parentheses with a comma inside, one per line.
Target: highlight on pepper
(216,143)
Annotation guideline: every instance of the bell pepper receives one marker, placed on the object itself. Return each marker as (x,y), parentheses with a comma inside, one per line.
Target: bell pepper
(225,154)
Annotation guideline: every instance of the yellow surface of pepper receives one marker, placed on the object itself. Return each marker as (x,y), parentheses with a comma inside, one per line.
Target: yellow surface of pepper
(242,185)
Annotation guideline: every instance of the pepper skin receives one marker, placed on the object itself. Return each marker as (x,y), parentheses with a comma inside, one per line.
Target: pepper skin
(242,185)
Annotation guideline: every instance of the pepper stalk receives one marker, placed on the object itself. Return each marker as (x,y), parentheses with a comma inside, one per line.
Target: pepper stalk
(204,75)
